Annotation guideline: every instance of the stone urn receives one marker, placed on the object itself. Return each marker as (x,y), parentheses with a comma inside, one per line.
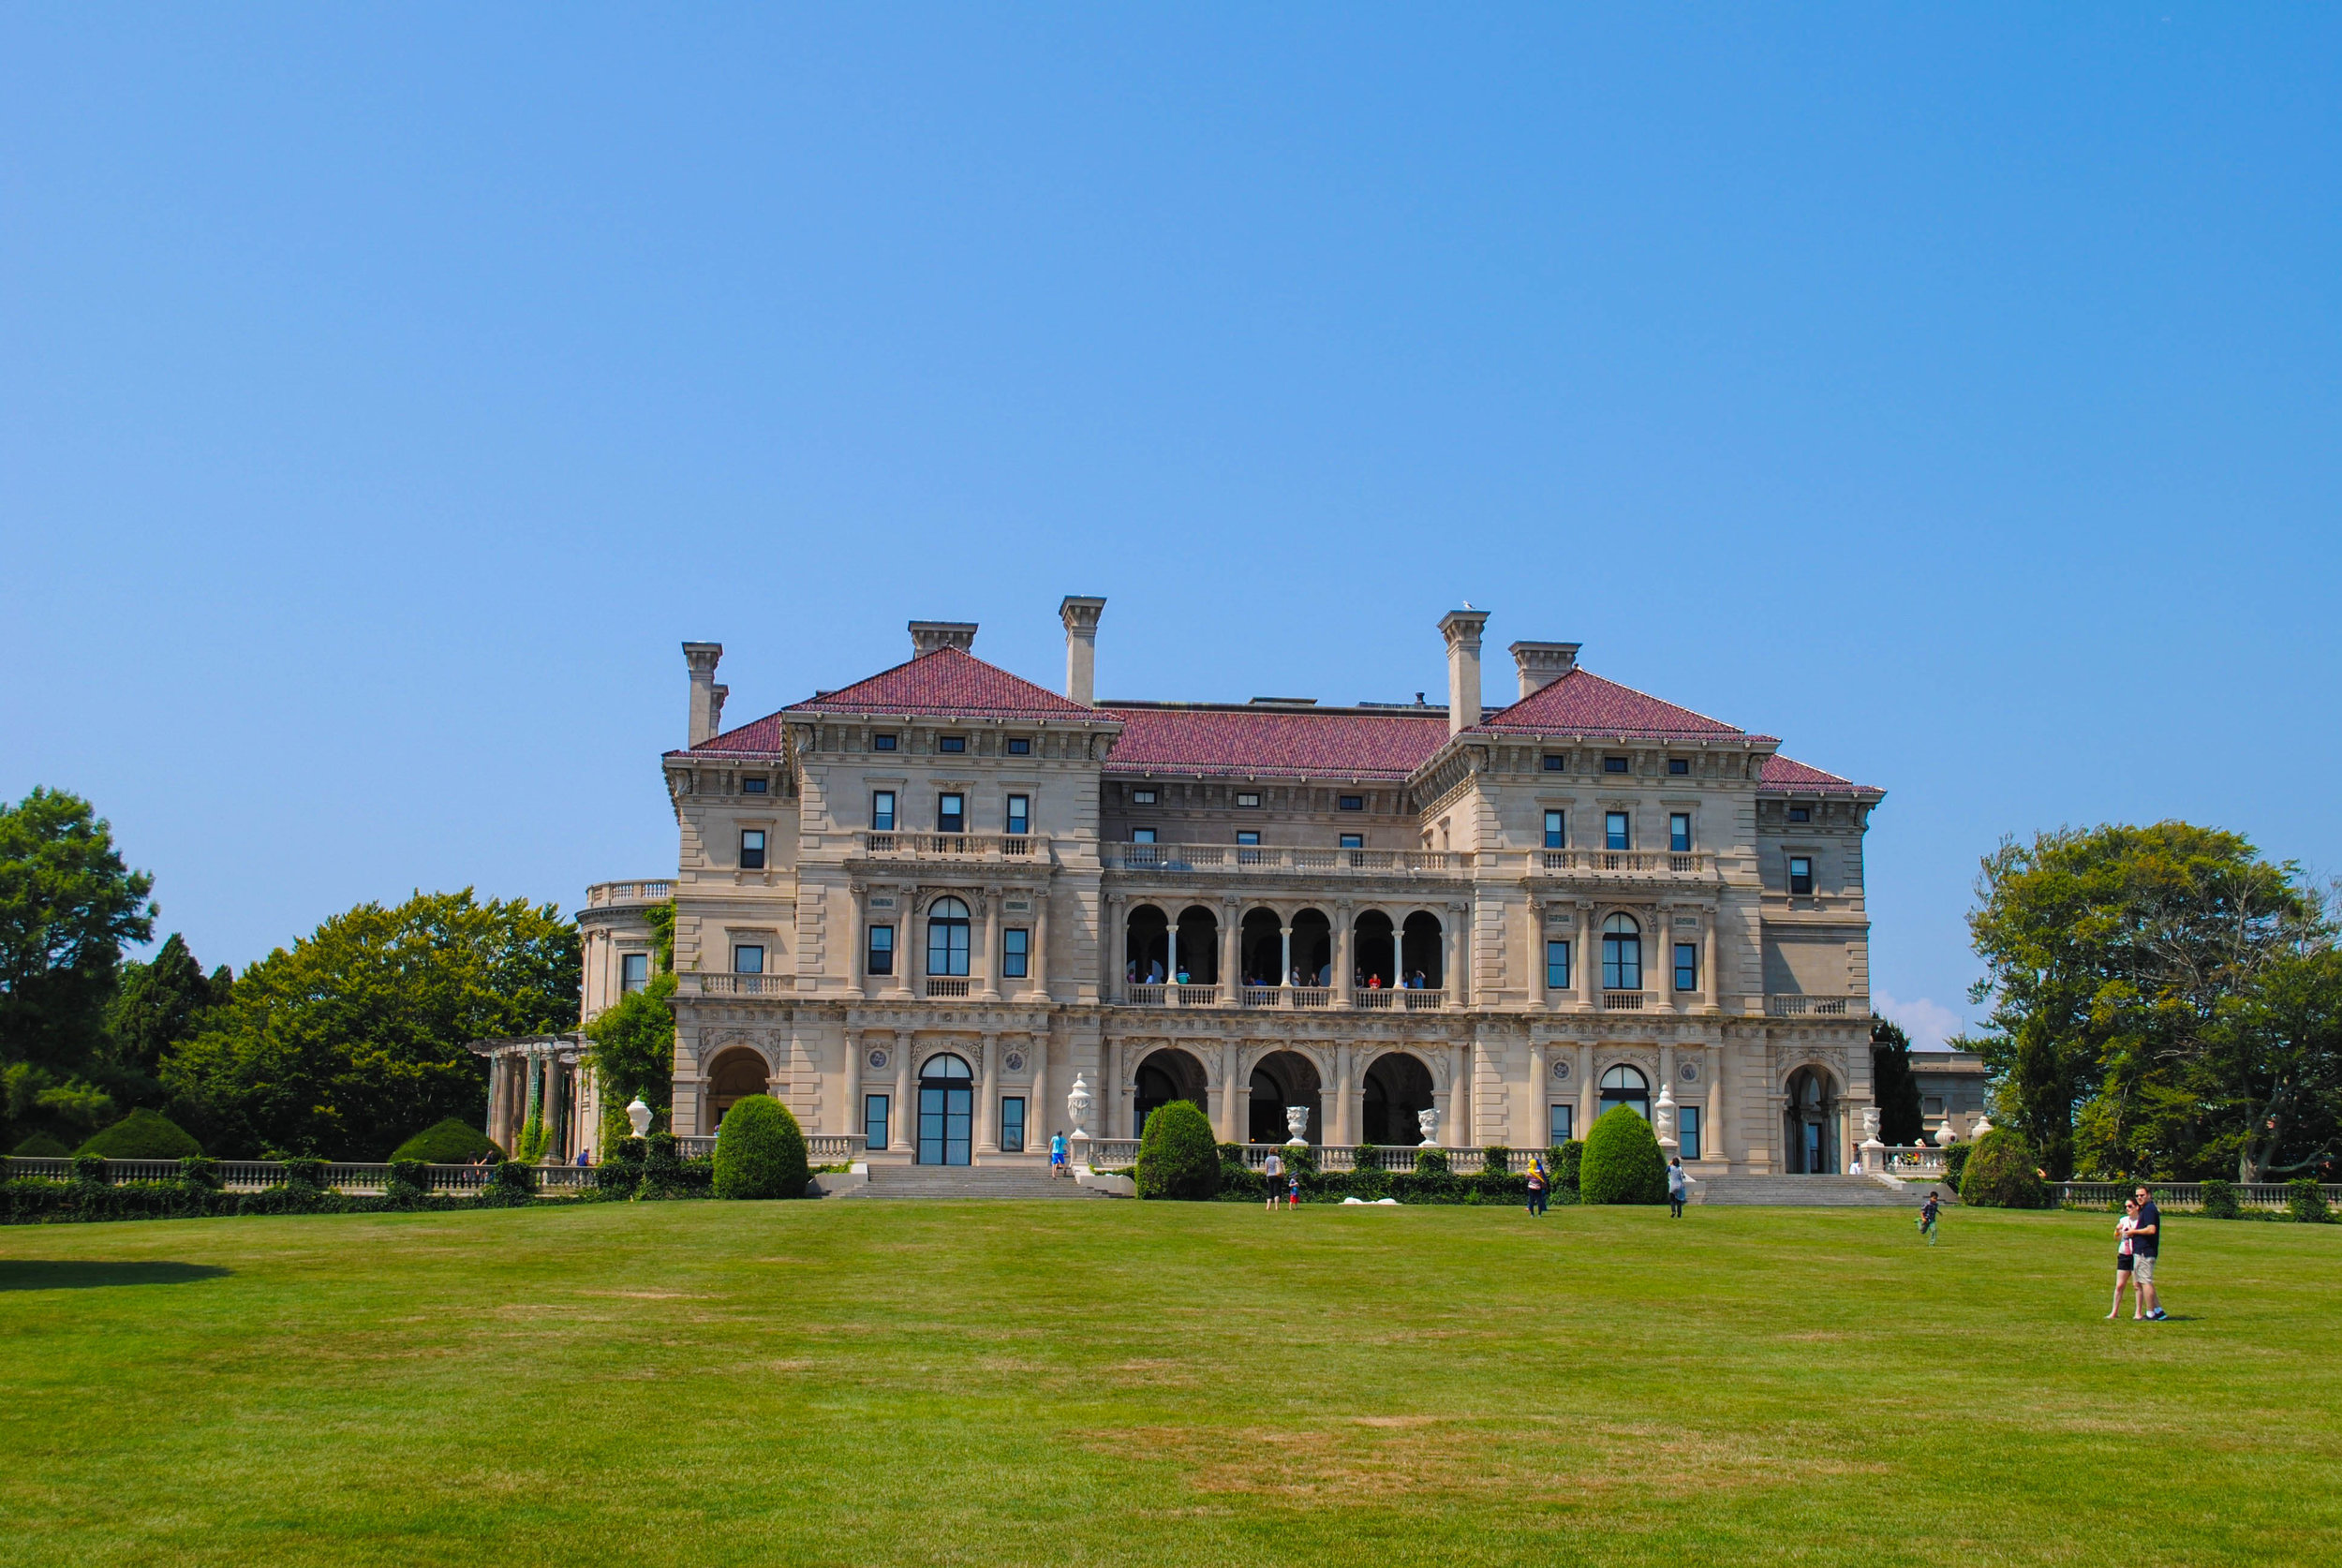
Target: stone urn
(638,1116)
(1077,1104)
(1663,1122)
(1429,1123)
(1944,1136)
(1298,1123)
(1981,1125)
(1874,1152)
(1870,1124)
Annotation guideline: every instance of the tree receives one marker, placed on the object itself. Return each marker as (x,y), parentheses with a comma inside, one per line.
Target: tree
(632,1042)
(356,1037)
(759,1151)
(2123,964)
(1895,1086)
(67,907)
(1176,1155)
(158,1005)
(2000,1173)
(1622,1162)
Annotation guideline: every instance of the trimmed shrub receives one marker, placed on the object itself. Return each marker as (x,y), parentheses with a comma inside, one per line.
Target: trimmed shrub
(759,1151)
(2220,1200)
(2000,1173)
(1176,1157)
(303,1170)
(448,1143)
(1300,1158)
(40,1146)
(1497,1159)
(1955,1163)
(143,1134)
(510,1183)
(1620,1162)
(89,1170)
(198,1170)
(1566,1158)
(2306,1203)
(1430,1162)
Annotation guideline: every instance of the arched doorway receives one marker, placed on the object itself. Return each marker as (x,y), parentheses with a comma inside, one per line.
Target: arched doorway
(947,1111)
(1199,947)
(1146,946)
(1375,944)
(1809,1130)
(1397,1091)
(1626,1086)
(736,1073)
(1421,957)
(1261,948)
(1280,1079)
(1622,954)
(1312,948)
(1162,1077)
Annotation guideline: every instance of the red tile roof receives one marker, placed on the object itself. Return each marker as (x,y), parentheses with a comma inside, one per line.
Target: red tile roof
(1217,743)
(1582,702)
(1780,775)
(947,683)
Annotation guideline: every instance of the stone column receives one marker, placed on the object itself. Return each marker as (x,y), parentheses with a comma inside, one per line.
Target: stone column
(906,1118)
(496,1100)
(850,1120)
(1339,1131)
(1039,962)
(857,982)
(535,1108)
(988,1095)
(1589,1092)
(1541,1120)
(1345,964)
(1229,957)
(990,989)
(1113,943)
(1234,1132)
(1452,1111)
(1126,1113)
(1040,1121)
(1589,961)
(1284,955)
(1712,1135)
(1452,948)
(1712,990)
(552,1108)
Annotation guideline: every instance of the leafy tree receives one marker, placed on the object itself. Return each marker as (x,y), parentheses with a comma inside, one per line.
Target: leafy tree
(2000,1174)
(356,1037)
(632,1042)
(159,1004)
(1895,1085)
(2116,959)
(67,907)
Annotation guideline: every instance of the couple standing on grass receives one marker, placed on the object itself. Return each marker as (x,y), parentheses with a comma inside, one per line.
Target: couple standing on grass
(2138,1241)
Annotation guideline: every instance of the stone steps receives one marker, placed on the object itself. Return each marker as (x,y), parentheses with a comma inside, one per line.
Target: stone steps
(970,1181)
(1807,1192)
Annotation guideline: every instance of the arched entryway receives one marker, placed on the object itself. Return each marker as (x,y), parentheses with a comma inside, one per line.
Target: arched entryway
(1421,957)
(1198,956)
(736,1073)
(1397,1090)
(1374,943)
(1145,945)
(1312,948)
(1163,1076)
(1280,1079)
(1261,948)
(1810,1118)
(1626,1086)
(947,1108)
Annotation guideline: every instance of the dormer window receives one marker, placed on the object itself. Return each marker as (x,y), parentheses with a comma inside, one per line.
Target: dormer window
(1353,803)
(1679,766)
(1801,814)
(1020,746)
(1248,799)
(1553,762)
(883,743)
(1142,797)
(951,743)
(1613,765)
(753,786)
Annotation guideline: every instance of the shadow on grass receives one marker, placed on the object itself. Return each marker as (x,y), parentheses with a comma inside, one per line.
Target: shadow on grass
(37,1275)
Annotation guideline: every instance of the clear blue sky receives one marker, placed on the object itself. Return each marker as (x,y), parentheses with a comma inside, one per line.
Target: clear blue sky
(385,394)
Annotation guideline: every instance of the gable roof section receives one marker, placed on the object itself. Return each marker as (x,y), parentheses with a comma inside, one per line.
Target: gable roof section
(1781,777)
(1217,743)
(1582,702)
(947,683)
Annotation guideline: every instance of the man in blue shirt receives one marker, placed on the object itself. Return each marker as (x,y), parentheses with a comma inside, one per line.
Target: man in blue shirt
(2146,1242)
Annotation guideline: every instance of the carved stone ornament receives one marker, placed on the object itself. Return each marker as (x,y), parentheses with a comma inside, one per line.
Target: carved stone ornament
(1870,1124)
(1298,1123)
(877,1060)
(1014,1061)
(1690,1073)
(1663,1120)
(1561,1070)
(1077,1103)
(1428,1123)
(638,1116)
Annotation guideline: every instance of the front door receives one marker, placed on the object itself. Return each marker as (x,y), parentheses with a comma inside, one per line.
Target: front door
(946,1119)
(1814,1163)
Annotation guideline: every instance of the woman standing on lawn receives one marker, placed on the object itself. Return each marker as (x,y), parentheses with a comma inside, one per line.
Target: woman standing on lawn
(1536,1185)
(2123,1227)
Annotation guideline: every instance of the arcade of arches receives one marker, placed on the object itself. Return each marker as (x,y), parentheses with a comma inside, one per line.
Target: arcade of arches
(1269,949)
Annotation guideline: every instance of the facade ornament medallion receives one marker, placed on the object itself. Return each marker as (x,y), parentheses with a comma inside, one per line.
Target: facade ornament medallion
(1014,1061)
(1561,1069)
(876,1058)
(1690,1073)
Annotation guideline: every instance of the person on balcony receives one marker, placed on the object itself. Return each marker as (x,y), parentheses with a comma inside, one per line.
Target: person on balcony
(1154,972)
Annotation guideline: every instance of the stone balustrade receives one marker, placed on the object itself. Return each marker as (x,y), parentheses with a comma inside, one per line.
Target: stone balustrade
(1021,846)
(1780,1005)
(601,894)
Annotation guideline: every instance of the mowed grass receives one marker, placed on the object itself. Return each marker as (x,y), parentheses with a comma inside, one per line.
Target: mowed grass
(1161,1383)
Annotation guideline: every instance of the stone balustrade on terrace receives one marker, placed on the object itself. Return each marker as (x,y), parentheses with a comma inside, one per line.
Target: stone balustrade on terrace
(602,894)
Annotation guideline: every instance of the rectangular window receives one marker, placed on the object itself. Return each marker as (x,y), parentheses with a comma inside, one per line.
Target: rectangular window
(752,849)
(1141,836)
(1687,1132)
(1013,1124)
(874,1117)
(1679,831)
(1687,965)
(1554,837)
(1560,1122)
(951,743)
(1248,837)
(1557,966)
(1016,949)
(1553,760)
(882,811)
(1801,814)
(951,813)
(1142,797)
(1617,830)
(882,743)
(748,959)
(754,786)
(1248,799)
(1353,803)
(1019,746)
(880,959)
(1800,875)
(1354,840)
(1679,766)
(1613,765)
(634,972)
(1020,814)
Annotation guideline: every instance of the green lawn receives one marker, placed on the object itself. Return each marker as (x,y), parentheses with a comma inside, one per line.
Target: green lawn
(1119,1383)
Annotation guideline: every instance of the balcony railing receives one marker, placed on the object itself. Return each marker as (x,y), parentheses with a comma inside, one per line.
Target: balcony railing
(954,846)
(1399,1000)
(939,987)
(737,984)
(1782,1006)
(602,893)
(1624,1001)
(1253,857)
(1641,863)
(821,1148)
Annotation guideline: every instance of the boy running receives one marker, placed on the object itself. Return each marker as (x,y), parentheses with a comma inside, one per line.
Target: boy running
(1927,1217)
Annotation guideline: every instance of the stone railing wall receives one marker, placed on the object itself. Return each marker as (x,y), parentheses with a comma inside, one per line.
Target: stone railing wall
(370,1177)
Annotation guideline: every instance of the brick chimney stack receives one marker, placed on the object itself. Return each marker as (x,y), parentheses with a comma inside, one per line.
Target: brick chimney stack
(707,704)
(928,636)
(1461,627)
(1080,616)
(1543,663)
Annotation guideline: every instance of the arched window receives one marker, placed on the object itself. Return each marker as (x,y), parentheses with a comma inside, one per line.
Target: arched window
(944,1068)
(1622,954)
(1626,1086)
(947,936)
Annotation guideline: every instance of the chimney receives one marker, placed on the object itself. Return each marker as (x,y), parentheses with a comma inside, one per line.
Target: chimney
(929,636)
(1080,616)
(706,701)
(1543,663)
(1461,627)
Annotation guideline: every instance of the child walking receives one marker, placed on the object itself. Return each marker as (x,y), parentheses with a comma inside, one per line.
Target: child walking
(1927,1217)
(2123,1259)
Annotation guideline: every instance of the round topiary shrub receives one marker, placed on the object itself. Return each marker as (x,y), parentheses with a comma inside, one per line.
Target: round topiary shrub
(40,1146)
(2220,1200)
(2305,1201)
(1176,1157)
(143,1134)
(1620,1162)
(2000,1174)
(448,1143)
(759,1151)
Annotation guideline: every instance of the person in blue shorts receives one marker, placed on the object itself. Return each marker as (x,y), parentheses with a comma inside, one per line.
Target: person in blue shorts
(1057,1154)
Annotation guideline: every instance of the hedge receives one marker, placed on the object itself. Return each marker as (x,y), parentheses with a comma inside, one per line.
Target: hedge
(759,1151)
(2000,1173)
(1620,1162)
(36,1201)
(40,1146)
(1176,1157)
(1241,1182)
(143,1134)
(1567,1157)
(449,1142)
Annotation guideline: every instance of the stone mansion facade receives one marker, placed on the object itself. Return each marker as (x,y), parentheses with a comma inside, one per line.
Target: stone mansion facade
(918,909)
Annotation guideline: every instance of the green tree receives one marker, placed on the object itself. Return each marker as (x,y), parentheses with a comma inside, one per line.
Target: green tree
(1895,1085)
(631,1044)
(2112,956)
(356,1037)
(158,1005)
(1622,1162)
(1176,1155)
(67,908)
(759,1151)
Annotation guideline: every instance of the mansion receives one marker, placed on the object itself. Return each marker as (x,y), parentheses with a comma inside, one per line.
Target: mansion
(920,907)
